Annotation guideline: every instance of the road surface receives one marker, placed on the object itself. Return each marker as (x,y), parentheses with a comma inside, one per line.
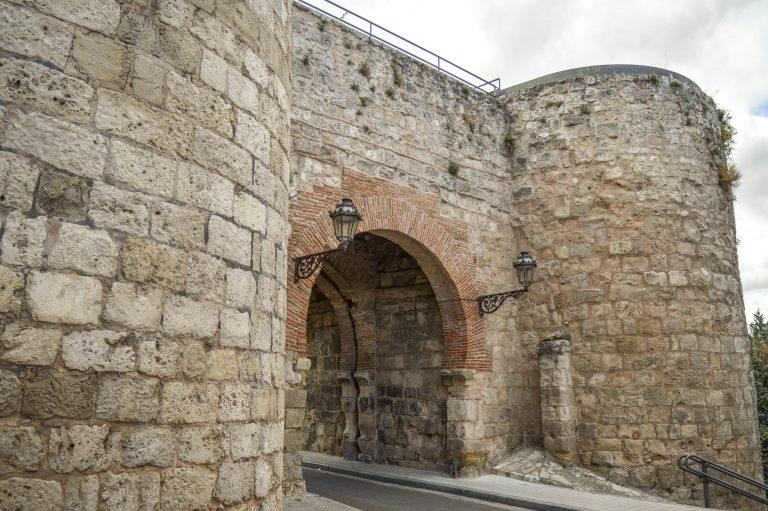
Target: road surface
(367,495)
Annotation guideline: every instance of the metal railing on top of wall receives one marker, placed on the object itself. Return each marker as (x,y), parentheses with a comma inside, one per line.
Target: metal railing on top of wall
(401,44)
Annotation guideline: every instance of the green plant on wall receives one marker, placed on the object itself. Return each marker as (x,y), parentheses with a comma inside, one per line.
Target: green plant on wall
(390,92)
(322,25)
(509,144)
(453,168)
(728,173)
(365,69)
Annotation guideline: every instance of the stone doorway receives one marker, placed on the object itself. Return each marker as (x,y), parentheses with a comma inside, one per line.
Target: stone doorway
(375,343)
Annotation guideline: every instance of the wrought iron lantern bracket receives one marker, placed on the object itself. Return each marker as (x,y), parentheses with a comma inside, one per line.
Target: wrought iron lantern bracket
(490,303)
(305,266)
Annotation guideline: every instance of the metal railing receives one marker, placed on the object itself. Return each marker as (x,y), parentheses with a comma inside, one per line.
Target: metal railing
(703,472)
(397,42)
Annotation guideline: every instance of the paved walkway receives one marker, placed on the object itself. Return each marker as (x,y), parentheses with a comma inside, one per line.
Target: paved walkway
(540,497)
(312,502)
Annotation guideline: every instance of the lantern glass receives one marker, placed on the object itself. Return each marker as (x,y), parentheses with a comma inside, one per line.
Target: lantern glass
(525,266)
(345,218)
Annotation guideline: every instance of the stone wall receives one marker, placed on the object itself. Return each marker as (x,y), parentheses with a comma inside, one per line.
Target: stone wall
(616,175)
(143,196)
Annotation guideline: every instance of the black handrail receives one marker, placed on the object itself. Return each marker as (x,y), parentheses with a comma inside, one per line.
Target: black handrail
(477,82)
(684,462)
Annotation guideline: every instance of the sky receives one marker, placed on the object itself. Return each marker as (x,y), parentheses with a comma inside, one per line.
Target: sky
(722,45)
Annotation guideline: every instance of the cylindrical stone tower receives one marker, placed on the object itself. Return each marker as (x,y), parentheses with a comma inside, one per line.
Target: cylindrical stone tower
(618,196)
(143,198)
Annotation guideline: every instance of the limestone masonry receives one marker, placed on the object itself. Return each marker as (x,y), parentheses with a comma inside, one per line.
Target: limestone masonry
(155,354)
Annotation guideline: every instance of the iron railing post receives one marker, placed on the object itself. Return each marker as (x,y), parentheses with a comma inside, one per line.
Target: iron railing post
(705,482)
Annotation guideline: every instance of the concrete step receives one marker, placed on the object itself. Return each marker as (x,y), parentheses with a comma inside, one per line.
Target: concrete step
(492,488)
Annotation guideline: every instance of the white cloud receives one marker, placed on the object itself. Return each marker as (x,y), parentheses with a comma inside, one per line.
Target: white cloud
(720,44)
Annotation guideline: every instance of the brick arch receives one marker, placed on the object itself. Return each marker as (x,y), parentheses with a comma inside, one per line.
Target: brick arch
(443,258)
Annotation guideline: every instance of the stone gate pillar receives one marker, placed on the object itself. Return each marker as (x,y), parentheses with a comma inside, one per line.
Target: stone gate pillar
(349,396)
(557,402)
(463,436)
(366,414)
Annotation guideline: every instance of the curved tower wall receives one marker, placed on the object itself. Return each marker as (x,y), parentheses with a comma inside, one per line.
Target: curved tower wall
(143,195)
(617,192)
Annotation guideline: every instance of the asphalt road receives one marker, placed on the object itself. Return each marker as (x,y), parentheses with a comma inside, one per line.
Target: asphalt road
(368,495)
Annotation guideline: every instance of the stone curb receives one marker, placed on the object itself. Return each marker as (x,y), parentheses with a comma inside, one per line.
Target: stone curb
(411,482)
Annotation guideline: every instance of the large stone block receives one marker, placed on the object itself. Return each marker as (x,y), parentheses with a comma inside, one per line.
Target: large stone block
(149,75)
(100,59)
(99,15)
(229,241)
(264,478)
(253,136)
(18,178)
(34,35)
(113,208)
(235,328)
(63,196)
(220,155)
(127,398)
(23,494)
(198,187)
(207,276)
(189,402)
(147,261)
(98,350)
(187,489)
(20,449)
(201,444)
(76,247)
(151,446)
(44,88)
(222,365)
(10,394)
(185,317)
(245,440)
(241,288)
(23,240)
(235,403)
(124,115)
(59,143)
(30,346)
(131,491)
(59,394)
(135,308)
(11,282)
(160,357)
(81,493)
(250,212)
(235,483)
(60,298)
(179,225)
(142,169)
(82,447)
(213,71)
(203,105)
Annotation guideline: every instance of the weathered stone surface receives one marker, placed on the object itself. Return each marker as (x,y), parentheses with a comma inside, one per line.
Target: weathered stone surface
(253,136)
(62,144)
(24,494)
(23,240)
(143,170)
(98,350)
(20,449)
(81,493)
(189,402)
(263,477)
(63,196)
(235,403)
(34,35)
(220,155)
(11,282)
(222,365)
(18,177)
(235,328)
(198,187)
(39,86)
(261,331)
(100,59)
(149,75)
(186,488)
(76,247)
(99,15)
(229,241)
(206,276)
(82,448)
(131,491)
(245,440)
(179,225)
(201,444)
(151,446)
(241,288)
(113,208)
(59,394)
(185,317)
(127,398)
(147,261)
(10,394)
(159,357)
(243,92)
(219,38)
(30,346)
(60,298)
(214,71)
(235,483)
(121,114)
(133,307)
(250,212)
(201,104)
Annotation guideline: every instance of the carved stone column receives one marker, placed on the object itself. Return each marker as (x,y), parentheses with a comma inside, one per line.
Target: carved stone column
(349,396)
(557,402)
(464,431)
(366,414)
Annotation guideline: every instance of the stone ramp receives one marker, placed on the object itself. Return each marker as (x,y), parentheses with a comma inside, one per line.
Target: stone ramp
(492,488)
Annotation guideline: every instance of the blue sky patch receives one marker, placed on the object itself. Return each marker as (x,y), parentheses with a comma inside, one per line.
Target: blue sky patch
(761,110)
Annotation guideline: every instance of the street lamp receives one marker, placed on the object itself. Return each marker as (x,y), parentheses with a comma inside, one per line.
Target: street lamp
(525,266)
(345,219)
